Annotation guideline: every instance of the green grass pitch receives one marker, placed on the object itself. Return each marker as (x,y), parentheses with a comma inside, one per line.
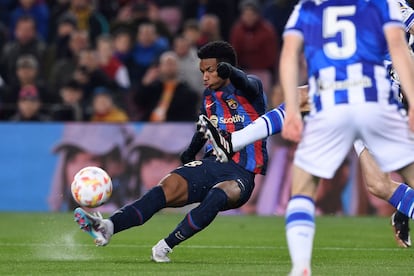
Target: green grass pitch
(52,244)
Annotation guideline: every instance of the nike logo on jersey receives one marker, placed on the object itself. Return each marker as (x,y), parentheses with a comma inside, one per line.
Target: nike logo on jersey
(210,104)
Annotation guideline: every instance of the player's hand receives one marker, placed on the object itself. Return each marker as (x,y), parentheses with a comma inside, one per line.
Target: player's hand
(224,70)
(292,127)
(186,157)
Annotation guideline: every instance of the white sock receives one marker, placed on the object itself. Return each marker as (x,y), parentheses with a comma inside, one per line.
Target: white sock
(255,131)
(359,147)
(110,225)
(300,230)
(268,124)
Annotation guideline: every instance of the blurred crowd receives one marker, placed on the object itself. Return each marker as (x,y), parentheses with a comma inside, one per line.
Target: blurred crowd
(126,60)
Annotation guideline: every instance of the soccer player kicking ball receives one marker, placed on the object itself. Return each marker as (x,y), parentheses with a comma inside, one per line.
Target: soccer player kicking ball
(234,100)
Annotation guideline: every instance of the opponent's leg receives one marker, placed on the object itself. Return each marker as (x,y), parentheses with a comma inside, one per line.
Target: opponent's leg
(225,144)
(381,185)
(400,225)
(300,222)
(266,125)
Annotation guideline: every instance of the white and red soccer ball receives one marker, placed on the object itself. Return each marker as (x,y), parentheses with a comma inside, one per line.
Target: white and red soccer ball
(91,187)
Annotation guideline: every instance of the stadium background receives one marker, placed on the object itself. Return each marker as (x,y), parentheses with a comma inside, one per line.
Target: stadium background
(30,176)
(30,163)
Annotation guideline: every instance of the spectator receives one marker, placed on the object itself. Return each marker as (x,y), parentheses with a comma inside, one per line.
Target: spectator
(254,39)
(131,15)
(88,19)
(29,105)
(224,10)
(122,46)
(146,50)
(188,64)
(27,72)
(166,29)
(91,76)
(110,64)
(135,13)
(56,9)
(38,10)
(277,13)
(58,48)
(71,106)
(191,31)
(26,43)
(62,71)
(209,29)
(163,97)
(104,109)
(256,44)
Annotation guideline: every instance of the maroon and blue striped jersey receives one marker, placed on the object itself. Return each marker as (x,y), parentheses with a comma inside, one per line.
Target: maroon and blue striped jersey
(232,109)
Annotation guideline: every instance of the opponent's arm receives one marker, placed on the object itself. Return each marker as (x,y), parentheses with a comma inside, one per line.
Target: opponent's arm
(289,64)
(403,64)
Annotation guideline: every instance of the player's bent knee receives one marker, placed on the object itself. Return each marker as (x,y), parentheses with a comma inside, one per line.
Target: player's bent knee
(175,190)
(232,190)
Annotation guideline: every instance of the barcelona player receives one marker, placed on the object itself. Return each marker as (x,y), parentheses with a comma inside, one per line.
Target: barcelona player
(232,99)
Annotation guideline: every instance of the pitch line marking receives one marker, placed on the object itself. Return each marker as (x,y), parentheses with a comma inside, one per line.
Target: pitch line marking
(196,246)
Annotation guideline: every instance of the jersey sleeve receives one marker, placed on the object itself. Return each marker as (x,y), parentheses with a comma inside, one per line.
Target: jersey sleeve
(294,23)
(390,11)
(407,15)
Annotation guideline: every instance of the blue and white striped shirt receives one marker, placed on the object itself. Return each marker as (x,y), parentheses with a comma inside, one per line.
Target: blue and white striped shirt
(345,47)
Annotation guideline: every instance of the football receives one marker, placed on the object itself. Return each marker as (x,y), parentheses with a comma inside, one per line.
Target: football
(91,187)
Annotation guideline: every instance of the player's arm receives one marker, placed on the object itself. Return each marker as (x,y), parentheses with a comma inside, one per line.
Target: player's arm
(197,142)
(250,86)
(403,64)
(289,72)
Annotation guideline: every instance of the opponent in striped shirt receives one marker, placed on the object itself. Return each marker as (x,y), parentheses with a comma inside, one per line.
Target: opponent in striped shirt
(349,89)
(272,122)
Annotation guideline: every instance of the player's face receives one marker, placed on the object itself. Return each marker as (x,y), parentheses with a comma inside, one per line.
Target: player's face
(211,80)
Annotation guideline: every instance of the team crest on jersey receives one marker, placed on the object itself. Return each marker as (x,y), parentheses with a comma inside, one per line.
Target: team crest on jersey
(232,103)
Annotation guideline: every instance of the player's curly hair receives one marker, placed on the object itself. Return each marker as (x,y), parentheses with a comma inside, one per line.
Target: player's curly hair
(220,50)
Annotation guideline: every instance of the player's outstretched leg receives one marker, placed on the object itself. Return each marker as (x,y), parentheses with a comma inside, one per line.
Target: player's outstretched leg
(399,222)
(221,143)
(100,229)
(372,176)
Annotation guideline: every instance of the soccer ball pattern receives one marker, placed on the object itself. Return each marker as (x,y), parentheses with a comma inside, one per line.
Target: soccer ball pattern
(91,187)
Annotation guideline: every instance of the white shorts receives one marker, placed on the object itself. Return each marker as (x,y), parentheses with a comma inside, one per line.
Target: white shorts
(329,135)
